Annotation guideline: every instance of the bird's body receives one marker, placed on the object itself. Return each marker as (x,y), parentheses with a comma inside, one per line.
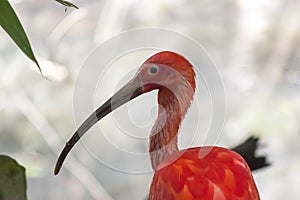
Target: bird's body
(210,173)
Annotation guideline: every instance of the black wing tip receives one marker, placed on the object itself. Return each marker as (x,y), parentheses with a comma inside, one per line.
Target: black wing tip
(248,150)
(260,162)
(252,141)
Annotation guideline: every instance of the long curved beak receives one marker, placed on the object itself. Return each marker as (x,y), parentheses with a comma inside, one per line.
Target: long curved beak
(131,90)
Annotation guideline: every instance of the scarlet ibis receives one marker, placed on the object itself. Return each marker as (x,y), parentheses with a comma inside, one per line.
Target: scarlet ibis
(207,172)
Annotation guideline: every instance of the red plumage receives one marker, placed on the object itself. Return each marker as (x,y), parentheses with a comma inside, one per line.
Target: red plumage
(218,174)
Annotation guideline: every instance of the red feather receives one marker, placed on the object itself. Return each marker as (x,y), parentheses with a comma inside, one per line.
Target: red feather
(220,175)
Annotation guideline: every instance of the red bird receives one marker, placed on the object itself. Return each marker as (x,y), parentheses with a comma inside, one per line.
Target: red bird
(208,173)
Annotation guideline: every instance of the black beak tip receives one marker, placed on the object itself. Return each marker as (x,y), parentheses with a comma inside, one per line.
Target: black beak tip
(56,171)
(61,159)
(65,152)
(57,168)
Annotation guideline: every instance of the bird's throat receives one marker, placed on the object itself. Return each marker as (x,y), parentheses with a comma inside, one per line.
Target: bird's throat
(163,137)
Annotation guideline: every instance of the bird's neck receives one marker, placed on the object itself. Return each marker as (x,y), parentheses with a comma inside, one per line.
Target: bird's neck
(163,137)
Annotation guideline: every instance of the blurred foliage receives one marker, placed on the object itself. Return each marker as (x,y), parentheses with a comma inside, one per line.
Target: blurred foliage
(12,179)
(67,4)
(13,27)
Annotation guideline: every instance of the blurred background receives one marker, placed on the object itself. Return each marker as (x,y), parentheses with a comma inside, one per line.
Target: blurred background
(255,45)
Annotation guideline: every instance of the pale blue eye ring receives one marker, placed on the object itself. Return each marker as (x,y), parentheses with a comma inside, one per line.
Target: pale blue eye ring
(153,70)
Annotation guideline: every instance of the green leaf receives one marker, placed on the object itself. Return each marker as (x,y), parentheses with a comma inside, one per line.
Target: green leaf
(67,4)
(13,27)
(12,179)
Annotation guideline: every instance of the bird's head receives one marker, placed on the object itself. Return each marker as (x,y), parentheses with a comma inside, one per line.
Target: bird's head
(169,72)
(166,71)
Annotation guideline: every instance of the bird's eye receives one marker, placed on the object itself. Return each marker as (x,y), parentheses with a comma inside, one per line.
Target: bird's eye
(153,70)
